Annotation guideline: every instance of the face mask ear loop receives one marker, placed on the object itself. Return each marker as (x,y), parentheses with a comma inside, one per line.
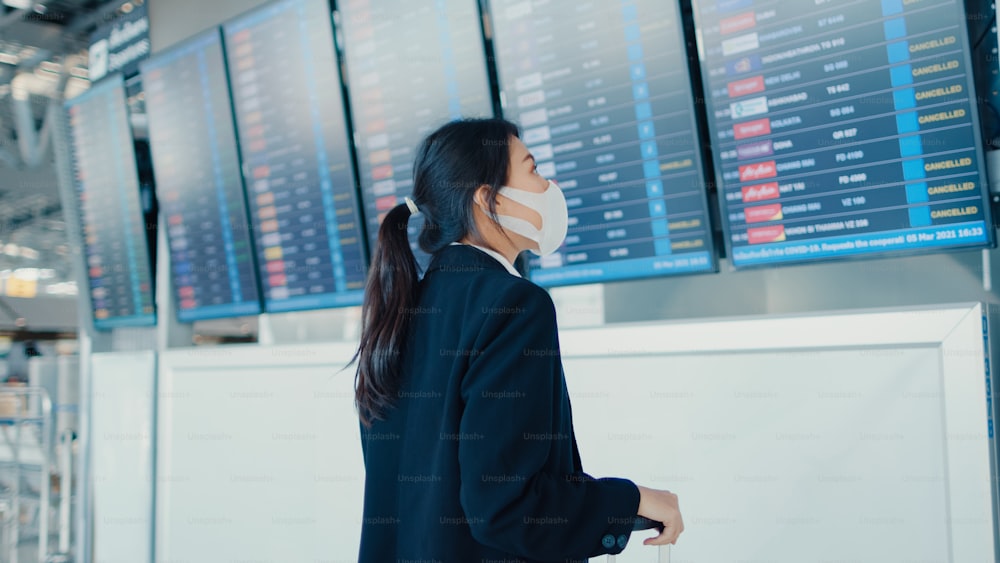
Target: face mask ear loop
(521,227)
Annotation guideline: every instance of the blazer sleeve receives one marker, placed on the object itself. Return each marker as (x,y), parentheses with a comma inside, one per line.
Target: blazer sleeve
(511,390)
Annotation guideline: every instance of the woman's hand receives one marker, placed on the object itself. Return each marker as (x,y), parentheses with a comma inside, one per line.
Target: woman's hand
(661,506)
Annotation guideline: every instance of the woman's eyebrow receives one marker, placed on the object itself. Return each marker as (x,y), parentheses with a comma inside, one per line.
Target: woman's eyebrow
(529,155)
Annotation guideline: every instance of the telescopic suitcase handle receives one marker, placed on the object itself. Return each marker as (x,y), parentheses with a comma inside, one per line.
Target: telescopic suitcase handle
(643,523)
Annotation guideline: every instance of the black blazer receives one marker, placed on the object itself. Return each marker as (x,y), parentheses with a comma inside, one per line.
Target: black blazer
(478,461)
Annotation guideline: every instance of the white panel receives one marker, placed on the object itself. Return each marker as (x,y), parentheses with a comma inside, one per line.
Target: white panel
(832,450)
(259,456)
(121,442)
(783,455)
(847,437)
(970,510)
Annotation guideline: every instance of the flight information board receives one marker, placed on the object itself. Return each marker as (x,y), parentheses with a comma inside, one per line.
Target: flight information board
(603,94)
(399,93)
(842,129)
(296,156)
(107,183)
(198,180)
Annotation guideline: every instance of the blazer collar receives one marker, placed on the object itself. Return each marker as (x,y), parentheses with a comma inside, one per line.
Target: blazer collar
(463,258)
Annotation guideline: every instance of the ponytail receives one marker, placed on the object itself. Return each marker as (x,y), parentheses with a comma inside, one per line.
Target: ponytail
(390,295)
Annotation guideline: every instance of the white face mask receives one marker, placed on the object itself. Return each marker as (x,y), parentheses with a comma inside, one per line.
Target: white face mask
(551,206)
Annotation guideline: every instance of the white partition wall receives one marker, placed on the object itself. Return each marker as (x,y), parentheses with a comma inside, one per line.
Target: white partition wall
(259,456)
(123,387)
(856,437)
(850,437)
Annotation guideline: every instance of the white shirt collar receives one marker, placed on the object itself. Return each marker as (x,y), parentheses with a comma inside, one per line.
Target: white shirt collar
(496,255)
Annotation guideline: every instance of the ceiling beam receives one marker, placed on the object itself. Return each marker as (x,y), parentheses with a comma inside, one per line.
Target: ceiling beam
(27,217)
(83,21)
(12,17)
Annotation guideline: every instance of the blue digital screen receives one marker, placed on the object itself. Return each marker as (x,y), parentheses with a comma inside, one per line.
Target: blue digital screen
(844,129)
(602,92)
(198,180)
(301,187)
(105,174)
(399,93)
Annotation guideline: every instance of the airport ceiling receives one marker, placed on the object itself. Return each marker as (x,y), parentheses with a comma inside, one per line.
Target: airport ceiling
(37,38)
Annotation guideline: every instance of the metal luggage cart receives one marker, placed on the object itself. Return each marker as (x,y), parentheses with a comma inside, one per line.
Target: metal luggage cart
(25,430)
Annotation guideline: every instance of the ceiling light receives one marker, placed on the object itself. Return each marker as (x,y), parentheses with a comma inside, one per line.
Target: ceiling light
(75,86)
(126,7)
(8,58)
(28,274)
(49,66)
(18,4)
(46,75)
(20,93)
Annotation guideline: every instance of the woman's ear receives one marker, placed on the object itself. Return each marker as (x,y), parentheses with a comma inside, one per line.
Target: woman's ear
(482,198)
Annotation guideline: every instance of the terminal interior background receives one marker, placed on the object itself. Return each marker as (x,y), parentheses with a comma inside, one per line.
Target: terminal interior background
(829,410)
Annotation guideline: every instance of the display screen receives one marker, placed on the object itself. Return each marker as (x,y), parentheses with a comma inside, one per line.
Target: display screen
(603,95)
(107,183)
(198,180)
(399,93)
(296,156)
(842,129)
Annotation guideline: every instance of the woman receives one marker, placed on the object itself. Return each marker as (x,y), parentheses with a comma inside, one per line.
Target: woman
(466,424)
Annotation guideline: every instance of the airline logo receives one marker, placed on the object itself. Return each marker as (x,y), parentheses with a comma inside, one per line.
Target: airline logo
(376,142)
(737,23)
(759,149)
(752,129)
(536,135)
(744,65)
(384,187)
(760,235)
(534,117)
(740,44)
(761,192)
(758,171)
(528,82)
(732,5)
(380,156)
(748,108)
(746,86)
(531,99)
(764,213)
(385,203)
(382,172)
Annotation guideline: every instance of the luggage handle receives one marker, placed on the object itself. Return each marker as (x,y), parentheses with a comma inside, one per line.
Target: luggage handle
(643,523)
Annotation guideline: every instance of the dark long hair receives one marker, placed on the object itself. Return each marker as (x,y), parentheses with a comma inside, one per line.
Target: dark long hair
(450,165)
